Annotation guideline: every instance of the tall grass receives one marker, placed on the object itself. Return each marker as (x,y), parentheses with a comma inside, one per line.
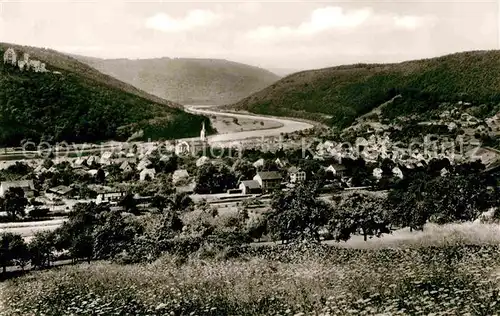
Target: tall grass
(290,280)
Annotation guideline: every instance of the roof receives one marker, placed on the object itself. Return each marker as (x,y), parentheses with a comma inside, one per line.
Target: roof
(294,170)
(259,162)
(493,167)
(125,165)
(181,173)
(17,184)
(251,184)
(270,175)
(148,171)
(337,167)
(62,189)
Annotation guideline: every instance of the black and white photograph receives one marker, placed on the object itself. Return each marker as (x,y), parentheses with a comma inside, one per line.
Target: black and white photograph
(249,158)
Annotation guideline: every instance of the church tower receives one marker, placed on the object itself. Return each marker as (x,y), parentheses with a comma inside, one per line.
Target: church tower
(203,133)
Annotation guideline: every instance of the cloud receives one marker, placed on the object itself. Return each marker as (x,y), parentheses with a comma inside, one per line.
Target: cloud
(193,19)
(408,22)
(333,17)
(336,18)
(321,19)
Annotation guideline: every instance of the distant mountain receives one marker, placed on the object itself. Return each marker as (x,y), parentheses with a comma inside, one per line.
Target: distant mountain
(282,72)
(339,95)
(76,103)
(188,80)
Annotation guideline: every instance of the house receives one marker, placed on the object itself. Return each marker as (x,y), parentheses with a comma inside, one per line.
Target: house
(109,195)
(79,161)
(92,160)
(336,169)
(397,172)
(27,186)
(40,169)
(296,175)
(201,161)
(143,164)
(377,173)
(250,187)
(259,163)
(182,148)
(280,162)
(444,172)
(147,174)
(106,158)
(126,167)
(268,181)
(61,190)
(179,175)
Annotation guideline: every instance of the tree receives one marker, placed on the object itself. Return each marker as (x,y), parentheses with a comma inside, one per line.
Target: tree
(166,227)
(13,249)
(297,214)
(100,176)
(129,203)
(359,212)
(42,247)
(181,203)
(160,202)
(409,202)
(458,196)
(112,234)
(14,202)
(243,170)
(212,178)
(257,227)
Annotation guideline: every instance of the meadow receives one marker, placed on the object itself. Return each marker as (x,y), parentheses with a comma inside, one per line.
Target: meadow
(410,279)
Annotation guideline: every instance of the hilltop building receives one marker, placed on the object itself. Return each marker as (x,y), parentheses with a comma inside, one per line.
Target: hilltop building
(10,57)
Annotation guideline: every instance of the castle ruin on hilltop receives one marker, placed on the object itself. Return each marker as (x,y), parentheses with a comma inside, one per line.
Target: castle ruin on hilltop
(10,57)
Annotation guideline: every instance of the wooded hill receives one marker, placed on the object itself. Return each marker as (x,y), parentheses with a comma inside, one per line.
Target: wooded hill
(76,103)
(188,80)
(339,95)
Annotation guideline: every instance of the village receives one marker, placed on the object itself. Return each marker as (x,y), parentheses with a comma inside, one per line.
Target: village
(221,175)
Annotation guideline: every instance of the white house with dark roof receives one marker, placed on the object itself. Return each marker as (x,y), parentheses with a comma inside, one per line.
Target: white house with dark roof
(147,174)
(296,175)
(269,180)
(250,187)
(143,164)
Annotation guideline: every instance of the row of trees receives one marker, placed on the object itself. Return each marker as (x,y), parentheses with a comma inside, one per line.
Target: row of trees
(457,197)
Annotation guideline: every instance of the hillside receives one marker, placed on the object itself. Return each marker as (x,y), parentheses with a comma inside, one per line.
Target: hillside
(339,95)
(188,80)
(75,103)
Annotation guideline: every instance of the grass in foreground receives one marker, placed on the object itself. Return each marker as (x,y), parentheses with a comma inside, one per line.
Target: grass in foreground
(303,280)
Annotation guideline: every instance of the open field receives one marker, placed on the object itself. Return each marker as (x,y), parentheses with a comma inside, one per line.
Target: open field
(225,125)
(447,280)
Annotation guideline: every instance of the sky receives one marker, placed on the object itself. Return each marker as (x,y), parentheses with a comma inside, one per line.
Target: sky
(275,35)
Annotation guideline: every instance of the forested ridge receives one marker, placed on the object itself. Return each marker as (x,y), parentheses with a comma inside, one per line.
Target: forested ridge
(79,108)
(339,95)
